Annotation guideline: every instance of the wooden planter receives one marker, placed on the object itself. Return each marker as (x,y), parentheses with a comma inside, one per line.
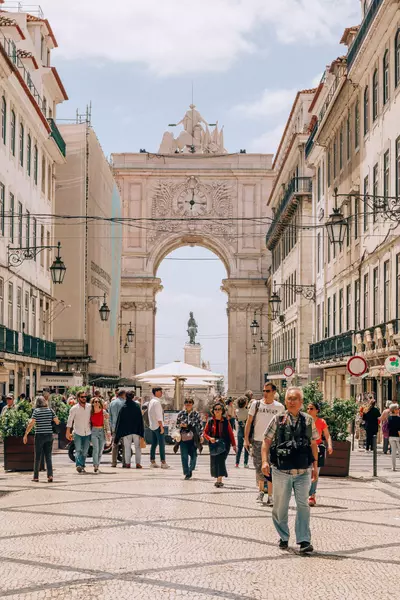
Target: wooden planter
(338,463)
(62,440)
(17,455)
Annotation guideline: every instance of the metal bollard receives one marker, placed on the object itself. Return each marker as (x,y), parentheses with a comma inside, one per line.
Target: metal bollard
(375,456)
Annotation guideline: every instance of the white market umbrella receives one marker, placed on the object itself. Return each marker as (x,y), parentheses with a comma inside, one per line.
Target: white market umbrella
(179,369)
(168,381)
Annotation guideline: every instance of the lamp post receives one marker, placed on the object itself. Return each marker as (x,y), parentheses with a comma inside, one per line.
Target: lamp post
(104,310)
(124,348)
(336,225)
(16,256)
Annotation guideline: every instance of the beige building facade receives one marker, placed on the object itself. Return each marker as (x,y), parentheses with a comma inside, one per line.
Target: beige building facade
(30,148)
(354,150)
(91,249)
(194,193)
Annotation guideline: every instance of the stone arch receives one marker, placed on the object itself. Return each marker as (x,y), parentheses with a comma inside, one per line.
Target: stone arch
(175,241)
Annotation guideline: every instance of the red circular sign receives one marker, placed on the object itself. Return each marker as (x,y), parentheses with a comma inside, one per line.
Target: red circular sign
(288,371)
(357,366)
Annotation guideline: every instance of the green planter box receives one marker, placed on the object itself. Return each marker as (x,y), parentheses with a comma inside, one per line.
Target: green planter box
(17,455)
(338,463)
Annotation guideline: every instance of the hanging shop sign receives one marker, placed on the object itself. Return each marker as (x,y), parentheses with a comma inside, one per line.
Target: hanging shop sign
(392,364)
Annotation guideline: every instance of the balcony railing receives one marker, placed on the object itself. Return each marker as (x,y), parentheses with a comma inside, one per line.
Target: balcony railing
(57,137)
(298,185)
(310,142)
(373,344)
(362,32)
(338,347)
(277,368)
(27,345)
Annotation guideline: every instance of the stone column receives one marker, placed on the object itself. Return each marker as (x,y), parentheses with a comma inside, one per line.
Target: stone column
(192,355)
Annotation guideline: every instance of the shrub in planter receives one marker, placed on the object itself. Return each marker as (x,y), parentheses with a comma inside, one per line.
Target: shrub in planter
(62,412)
(17,456)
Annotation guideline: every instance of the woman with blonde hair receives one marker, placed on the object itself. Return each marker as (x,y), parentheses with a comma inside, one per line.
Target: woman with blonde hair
(100,429)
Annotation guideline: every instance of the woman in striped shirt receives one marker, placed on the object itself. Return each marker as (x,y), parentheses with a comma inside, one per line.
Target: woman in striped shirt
(42,419)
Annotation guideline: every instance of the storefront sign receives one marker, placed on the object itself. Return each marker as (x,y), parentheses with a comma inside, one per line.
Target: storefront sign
(357,366)
(59,380)
(392,364)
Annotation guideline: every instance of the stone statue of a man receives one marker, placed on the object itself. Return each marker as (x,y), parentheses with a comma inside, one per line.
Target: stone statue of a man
(192,329)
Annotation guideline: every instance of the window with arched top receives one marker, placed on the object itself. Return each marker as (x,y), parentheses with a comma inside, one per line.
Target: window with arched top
(375,95)
(385,87)
(397,58)
(366,110)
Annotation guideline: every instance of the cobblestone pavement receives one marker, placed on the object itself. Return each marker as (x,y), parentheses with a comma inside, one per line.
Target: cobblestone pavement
(143,534)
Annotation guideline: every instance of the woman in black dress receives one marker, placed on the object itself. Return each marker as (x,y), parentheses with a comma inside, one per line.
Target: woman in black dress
(371,420)
(220,436)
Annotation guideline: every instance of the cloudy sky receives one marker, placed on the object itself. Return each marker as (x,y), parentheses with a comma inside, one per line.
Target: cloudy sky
(136,60)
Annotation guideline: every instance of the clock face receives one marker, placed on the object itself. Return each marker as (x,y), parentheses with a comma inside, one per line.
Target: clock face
(192,203)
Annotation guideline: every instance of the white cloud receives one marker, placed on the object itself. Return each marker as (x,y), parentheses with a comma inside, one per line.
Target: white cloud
(271,103)
(172,37)
(268,142)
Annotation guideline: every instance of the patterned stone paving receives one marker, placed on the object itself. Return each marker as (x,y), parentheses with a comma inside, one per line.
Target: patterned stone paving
(143,534)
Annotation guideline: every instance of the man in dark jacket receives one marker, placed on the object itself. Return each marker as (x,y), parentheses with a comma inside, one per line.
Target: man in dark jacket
(130,428)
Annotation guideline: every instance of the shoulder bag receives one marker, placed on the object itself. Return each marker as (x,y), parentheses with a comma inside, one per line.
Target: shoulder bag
(217,448)
(252,426)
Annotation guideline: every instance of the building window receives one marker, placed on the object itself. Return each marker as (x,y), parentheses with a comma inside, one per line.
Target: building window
(366,188)
(28,229)
(29,155)
(348,136)
(366,300)
(348,229)
(334,315)
(1,300)
(386,176)
(42,255)
(19,309)
(366,110)
(319,184)
(385,88)
(44,107)
(397,58)
(375,95)
(21,144)
(357,325)
(12,209)
(33,316)
(49,182)
(318,323)
(10,305)
(386,291)
(318,252)
(34,236)
(341,308)
(356,215)
(348,307)
(43,174)
(398,286)
(328,319)
(328,168)
(375,299)
(13,126)
(2,210)
(35,164)
(26,313)
(334,158)
(397,167)
(341,142)
(357,124)
(375,192)
(20,224)
(3,119)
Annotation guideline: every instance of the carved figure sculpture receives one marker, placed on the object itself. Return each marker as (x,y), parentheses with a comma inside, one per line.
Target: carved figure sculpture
(192,329)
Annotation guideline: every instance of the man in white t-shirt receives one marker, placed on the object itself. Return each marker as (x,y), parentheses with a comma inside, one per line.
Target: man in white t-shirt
(156,422)
(261,413)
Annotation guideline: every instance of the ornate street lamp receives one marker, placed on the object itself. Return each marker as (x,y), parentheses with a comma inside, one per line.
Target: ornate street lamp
(261,341)
(275,303)
(254,349)
(58,268)
(104,311)
(254,327)
(336,225)
(126,348)
(130,334)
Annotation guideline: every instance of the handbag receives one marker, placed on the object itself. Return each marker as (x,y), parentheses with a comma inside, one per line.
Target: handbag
(321,455)
(142,443)
(217,448)
(186,436)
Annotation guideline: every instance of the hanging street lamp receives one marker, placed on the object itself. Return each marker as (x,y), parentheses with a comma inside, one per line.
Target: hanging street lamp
(336,225)
(275,303)
(126,348)
(254,349)
(254,327)
(104,311)
(130,334)
(58,268)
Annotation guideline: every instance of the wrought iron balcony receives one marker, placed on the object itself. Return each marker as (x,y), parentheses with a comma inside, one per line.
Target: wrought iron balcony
(57,137)
(299,186)
(277,368)
(310,142)
(27,345)
(362,32)
(335,347)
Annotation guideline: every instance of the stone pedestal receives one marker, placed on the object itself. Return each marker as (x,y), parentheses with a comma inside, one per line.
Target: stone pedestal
(192,355)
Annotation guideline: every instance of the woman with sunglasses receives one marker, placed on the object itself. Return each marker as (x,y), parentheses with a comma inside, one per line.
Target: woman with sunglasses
(100,430)
(189,423)
(220,436)
(313,410)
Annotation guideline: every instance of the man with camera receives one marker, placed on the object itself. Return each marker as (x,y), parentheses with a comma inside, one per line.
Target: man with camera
(290,450)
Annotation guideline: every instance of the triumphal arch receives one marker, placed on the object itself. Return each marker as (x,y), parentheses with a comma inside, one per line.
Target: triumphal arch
(193,192)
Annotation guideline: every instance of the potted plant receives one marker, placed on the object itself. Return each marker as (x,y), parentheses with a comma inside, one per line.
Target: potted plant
(338,415)
(62,412)
(17,455)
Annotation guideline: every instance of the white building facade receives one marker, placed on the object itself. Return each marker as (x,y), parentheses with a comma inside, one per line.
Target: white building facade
(30,146)
(354,150)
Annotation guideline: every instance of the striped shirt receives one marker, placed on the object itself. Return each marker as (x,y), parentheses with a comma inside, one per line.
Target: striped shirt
(43,420)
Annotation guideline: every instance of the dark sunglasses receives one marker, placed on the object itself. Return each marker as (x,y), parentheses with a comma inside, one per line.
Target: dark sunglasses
(188,402)
(217,409)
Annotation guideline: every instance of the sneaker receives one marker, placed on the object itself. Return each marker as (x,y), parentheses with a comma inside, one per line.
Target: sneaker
(260,498)
(270,501)
(237,466)
(154,465)
(312,501)
(165,466)
(79,469)
(126,466)
(246,466)
(306,548)
(283,544)
(139,467)
(187,477)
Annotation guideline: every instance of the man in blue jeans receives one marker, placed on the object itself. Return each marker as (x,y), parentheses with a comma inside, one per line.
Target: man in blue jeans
(156,422)
(79,420)
(290,445)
